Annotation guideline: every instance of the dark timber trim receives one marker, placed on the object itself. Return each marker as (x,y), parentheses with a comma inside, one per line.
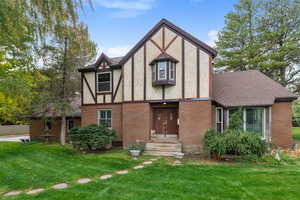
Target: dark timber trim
(104,98)
(96,80)
(132,78)
(117,88)
(163,38)
(145,75)
(163,91)
(81,88)
(198,73)
(177,30)
(183,66)
(86,82)
(153,42)
(171,42)
(112,86)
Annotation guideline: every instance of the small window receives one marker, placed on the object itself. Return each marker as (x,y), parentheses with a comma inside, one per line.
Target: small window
(219,119)
(71,124)
(48,124)
(105,118)
(104,82)
(172,71)
(162,68)
(153,72)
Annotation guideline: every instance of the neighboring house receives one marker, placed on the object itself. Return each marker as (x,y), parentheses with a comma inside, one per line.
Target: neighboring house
(165,87)
(46,124)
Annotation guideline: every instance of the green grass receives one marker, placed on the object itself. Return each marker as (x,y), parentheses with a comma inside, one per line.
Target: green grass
(40,165)
(161,181)
(296,133)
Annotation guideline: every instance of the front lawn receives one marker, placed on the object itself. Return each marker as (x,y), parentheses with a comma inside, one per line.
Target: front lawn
(162,181)
(40,165)
(296,133)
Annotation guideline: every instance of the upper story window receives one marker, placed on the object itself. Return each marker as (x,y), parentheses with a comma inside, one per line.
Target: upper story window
(163,70)
(104,82)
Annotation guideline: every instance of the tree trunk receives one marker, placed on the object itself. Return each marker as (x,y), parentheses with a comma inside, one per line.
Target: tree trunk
(63,130)
(63,107)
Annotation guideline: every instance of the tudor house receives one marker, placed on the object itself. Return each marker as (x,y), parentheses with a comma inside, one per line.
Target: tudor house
(165,90)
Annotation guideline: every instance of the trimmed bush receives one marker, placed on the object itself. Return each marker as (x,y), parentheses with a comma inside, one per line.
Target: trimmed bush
(91,137)
(234,142)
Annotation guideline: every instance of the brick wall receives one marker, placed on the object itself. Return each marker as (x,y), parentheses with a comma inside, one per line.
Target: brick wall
(282,124)
(136,122)
(89,116)
(195,119)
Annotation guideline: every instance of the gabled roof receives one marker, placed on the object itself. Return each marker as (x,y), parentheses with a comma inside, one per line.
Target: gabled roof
(248,88)
(176,29)
(163,57)
(103,57)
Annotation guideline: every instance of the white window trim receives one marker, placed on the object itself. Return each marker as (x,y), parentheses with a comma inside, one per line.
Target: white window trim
(244,120)
(165,69)
(222,118)
(110,82)
(99,116)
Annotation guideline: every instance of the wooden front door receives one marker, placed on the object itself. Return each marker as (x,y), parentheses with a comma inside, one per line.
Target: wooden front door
(165,121)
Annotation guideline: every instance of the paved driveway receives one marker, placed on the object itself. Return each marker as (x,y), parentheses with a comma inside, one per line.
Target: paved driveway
(13,138)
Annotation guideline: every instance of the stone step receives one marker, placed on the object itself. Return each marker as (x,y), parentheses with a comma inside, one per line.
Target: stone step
(163,149)
(169,147)
(159,153)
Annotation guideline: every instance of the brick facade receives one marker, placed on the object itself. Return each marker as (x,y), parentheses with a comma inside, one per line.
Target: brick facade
(136,122)
(282,124)
(89,116)
(195,119)
(37,129)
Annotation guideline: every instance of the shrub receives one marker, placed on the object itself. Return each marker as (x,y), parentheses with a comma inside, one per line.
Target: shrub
(91,137)
(234,142)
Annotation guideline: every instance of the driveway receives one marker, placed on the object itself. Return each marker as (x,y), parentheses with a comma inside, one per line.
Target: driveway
(13,138)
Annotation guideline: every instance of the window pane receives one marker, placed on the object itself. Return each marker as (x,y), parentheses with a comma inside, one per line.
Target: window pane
(154,72)
(254,120)
(104,86)
(162,70)
(108,123)
(104,77)
(171,71)
(102,114)
(108,114)
(219,127)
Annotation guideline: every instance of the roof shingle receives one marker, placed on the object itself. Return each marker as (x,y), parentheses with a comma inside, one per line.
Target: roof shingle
(247,88)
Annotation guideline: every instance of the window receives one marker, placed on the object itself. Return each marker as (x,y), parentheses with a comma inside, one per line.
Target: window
(253,118)
(219,119)
(153,72)
(162,68)
(48,124)
(172,71)
(105,118)
(104,82)
(71,124)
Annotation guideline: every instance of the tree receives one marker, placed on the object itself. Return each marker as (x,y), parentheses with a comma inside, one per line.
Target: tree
(262,35)
(67,51)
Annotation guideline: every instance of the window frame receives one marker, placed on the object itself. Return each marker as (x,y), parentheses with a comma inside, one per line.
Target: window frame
(165,70)
(68,124)
(106,118)
(244,114)
(217,119)
(110,82)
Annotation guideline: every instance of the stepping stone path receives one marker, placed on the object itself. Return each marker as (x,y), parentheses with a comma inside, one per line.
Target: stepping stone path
(138,167)
(83,180)
(80,181)
(147,162)
(122,172)
(60,186)
(12,193)
(105,176)
(35,191)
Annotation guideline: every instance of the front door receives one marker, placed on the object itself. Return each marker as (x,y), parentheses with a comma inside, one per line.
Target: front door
(165,121)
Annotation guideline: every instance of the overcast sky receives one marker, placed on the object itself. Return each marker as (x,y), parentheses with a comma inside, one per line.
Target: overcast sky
(117,25)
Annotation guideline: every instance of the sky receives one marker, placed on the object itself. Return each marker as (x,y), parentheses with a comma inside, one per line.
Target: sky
(117,25)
